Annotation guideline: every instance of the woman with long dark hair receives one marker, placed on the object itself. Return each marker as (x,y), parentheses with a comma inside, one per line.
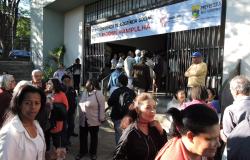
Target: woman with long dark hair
(213,99)
(178,99)
(58,117)
(195,134)
(22,137)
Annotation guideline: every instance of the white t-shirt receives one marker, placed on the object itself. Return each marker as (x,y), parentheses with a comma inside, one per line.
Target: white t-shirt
(38,141)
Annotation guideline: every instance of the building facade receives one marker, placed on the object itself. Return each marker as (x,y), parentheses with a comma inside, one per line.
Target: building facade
(75,24)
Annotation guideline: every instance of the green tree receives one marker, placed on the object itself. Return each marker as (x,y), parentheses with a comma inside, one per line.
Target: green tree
(53,60)
(57,54)
(9,13)
(8,19)
(23,25)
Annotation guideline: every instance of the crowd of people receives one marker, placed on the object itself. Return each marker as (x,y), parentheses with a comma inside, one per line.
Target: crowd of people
(196,131)
(35,113)
(144,71)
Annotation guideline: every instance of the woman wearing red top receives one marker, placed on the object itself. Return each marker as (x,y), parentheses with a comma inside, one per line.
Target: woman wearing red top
(58,97)
(195,134)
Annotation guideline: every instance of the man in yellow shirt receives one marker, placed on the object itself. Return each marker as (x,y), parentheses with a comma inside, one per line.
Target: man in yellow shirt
(197,72)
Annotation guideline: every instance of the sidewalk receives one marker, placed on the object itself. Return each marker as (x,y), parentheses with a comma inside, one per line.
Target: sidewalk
(106,144)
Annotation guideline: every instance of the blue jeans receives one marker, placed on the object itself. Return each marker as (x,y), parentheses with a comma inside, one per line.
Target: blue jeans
(118,130)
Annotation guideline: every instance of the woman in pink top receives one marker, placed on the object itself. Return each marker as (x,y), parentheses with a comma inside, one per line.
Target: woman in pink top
(195,134)
(199,95)
(91,115)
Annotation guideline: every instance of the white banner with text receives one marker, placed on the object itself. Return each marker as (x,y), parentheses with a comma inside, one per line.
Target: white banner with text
(192,14)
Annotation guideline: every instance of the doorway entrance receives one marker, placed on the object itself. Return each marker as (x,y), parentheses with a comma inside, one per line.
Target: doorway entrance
(175,48)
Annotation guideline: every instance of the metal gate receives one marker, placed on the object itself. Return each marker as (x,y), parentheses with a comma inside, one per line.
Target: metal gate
(93,56)
(179,48)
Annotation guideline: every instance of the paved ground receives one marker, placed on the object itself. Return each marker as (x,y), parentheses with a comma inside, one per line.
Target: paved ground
(106,143)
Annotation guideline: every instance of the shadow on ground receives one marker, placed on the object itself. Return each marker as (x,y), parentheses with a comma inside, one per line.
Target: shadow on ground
(106,144)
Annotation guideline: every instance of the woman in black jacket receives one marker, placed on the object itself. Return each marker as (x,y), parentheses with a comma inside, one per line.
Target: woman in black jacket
(144,137)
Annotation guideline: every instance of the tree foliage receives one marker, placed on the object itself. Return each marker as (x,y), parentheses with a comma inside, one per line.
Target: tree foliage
(54,59)
(8,19)
(57,54)
(23,27)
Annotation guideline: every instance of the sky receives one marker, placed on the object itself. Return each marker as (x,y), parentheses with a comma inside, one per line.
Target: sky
(24,4)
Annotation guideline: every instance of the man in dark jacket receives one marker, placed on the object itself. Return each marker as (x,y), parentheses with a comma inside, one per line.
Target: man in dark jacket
(75,69)
(141,75)
(71,96)
(119,101)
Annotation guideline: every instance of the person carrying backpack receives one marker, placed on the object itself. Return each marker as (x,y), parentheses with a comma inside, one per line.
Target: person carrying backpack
(119,101)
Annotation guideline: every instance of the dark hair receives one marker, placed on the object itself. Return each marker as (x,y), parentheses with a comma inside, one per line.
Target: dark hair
(94,82)
(177,91)
(195,118)
(199,93)
(143,59)
(130,53)
(18,98)
(56,85)
(65,76)
(77,60)
(213,92)
(123,79)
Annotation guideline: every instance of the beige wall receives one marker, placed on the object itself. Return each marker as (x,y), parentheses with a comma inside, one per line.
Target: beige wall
(73,35)
(53,31)
(37,35)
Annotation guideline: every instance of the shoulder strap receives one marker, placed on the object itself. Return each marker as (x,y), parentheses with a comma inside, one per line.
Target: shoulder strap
(98,107)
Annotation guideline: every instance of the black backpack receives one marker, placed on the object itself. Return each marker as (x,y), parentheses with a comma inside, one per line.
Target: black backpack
(59,111)
(125,99)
